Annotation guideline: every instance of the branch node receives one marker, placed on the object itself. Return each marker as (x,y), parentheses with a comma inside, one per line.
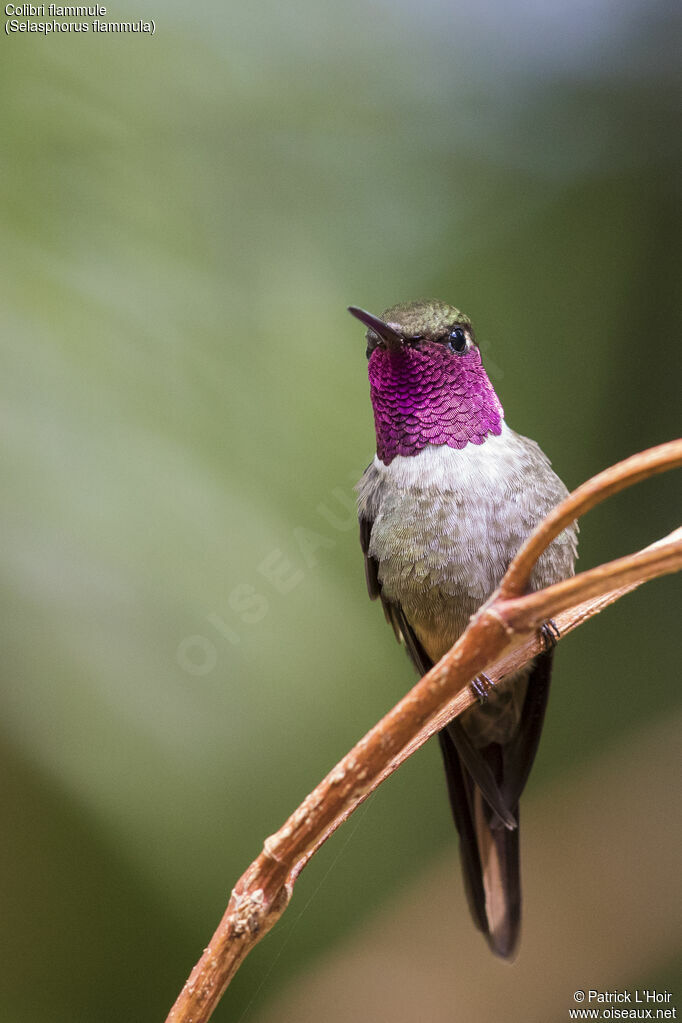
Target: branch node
(491,610)
(271,843)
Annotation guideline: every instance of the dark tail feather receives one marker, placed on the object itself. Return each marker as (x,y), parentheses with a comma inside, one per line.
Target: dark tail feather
(468,846)
(499,852)
(489,854)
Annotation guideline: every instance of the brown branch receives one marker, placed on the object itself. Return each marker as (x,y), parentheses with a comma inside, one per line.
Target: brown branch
(500,638)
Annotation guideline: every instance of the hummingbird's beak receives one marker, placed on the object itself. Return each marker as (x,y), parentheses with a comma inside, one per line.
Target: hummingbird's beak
(391,338)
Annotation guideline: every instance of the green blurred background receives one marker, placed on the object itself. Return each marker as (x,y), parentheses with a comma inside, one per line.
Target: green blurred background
(185,218)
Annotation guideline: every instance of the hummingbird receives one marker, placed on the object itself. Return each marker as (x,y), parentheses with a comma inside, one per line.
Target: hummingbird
(449,498)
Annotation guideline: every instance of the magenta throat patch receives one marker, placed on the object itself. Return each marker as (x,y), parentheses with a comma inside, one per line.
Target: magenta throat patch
(430,395)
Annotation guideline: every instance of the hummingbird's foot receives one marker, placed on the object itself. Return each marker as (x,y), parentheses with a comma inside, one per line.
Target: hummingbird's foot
(482,687)
(549,633)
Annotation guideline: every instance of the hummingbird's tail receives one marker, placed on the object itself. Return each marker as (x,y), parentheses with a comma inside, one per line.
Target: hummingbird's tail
(485,781)
(489,853)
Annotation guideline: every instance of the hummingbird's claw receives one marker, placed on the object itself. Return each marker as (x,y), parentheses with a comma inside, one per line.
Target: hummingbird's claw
(482,687)
(549,633)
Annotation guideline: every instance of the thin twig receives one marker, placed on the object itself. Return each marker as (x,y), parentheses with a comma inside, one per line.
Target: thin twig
(595,490)
(499,639)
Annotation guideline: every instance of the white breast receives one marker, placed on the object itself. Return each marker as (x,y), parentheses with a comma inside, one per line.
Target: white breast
(446,523)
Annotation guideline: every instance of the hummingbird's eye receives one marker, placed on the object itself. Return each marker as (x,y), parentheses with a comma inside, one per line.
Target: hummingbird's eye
(457,339)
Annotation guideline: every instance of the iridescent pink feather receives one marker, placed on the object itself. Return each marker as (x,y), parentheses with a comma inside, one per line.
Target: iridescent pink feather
(430,395)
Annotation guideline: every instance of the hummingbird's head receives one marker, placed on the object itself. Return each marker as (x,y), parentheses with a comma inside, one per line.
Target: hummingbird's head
(427,382)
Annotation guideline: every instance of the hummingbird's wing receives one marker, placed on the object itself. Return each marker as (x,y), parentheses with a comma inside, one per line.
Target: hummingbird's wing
(393,612)
(521,746)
